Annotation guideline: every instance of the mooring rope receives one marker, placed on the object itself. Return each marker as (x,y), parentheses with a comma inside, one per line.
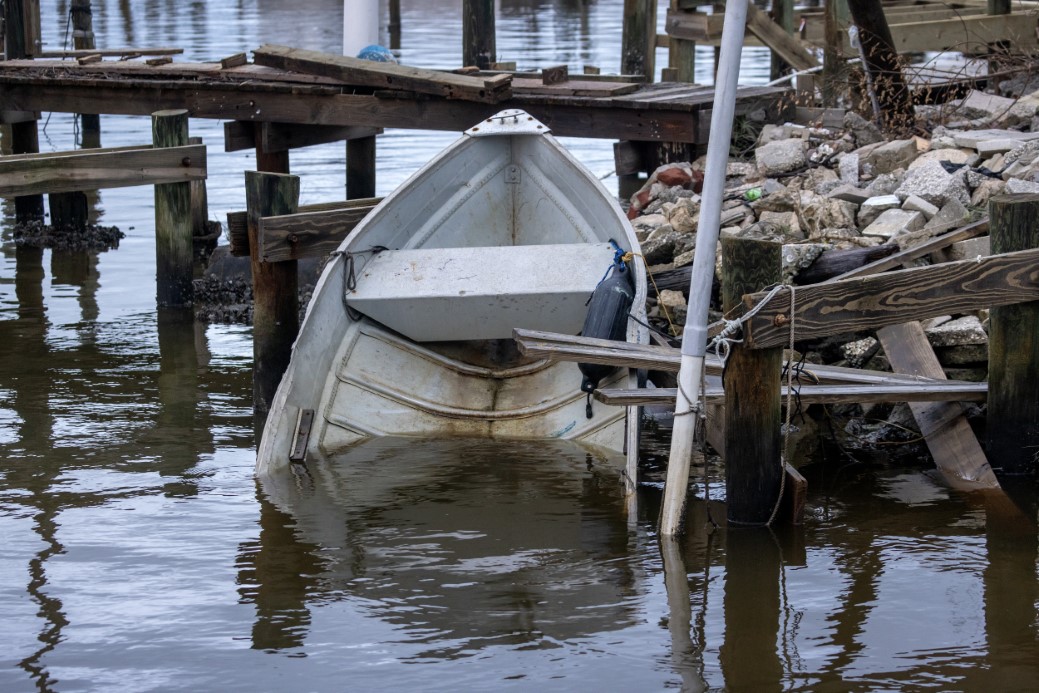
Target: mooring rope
(350,275)
(789,409)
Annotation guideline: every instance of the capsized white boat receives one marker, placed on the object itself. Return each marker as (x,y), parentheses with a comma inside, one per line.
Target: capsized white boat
(409,331)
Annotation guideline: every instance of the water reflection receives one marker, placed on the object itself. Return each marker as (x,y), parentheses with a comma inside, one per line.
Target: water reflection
(460,544)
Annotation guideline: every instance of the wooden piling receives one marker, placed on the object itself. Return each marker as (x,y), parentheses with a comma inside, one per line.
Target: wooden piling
(783,15)
(478,34)
(681,54)
(394,25)
(71,209)
(753,449)
(275,286)
(173,251)
(360,168)
(199,202)
(21,40)
(638,41)
(1013,400)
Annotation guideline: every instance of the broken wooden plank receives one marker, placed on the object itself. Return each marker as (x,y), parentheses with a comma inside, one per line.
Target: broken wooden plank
(576,87)
(948,435)
(945,391)
(555,74)
(900,258)
(88,59)
(233,60)
(868,303)
(307,234)
(779,41)
(96,169)
(565,347)
(161,60)
(357,72)
(109,52)
(238,234)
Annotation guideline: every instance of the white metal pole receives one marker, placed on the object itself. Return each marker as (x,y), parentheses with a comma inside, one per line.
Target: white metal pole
(360,25)
(694,336)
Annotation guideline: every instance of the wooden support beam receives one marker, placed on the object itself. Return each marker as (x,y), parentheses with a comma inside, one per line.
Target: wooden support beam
(96,169)
(360,168)
(778,40)
(22,40)
(173,248)
(275,299)
(278,137)
(357,72)
(868,303)
(1013,411)
(753,411)
(310,219)
(303,235)
(109,52)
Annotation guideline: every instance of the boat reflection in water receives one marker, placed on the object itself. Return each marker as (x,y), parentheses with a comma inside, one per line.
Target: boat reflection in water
(457,544)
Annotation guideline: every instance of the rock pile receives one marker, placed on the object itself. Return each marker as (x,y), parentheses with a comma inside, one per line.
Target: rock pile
(824,193)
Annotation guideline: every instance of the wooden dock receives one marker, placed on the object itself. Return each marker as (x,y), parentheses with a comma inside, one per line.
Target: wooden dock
(251,93)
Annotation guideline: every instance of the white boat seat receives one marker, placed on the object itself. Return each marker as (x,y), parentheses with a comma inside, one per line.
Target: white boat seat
(446,294)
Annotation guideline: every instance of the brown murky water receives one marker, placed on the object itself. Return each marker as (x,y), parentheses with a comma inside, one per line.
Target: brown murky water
(138,552)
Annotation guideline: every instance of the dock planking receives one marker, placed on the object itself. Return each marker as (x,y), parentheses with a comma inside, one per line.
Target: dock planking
(659,112)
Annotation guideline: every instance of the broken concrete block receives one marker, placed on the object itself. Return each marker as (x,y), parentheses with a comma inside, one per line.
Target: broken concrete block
(965,330)
(915,203)
(849,193)
(873,207)
(935,184)
(780,156)
(969,249)
(894,222)
(892,155)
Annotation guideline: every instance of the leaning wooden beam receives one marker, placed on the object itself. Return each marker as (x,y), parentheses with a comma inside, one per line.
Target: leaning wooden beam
(566,347)
(949,437)
(96,169)
(779,41)
(947,391)
(357,72)
(978,228)
(237,230)
(868,303)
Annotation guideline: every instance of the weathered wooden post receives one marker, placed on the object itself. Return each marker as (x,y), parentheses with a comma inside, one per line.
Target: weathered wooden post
(275,285)
(753,468)
(783,15)
(173,251)
(1013,391)
(478,33)
(360,29)
(394,26)
(681,55)
(639,40)
(199,202)
(836,19)
(70,209)
(22,40)
(882,64)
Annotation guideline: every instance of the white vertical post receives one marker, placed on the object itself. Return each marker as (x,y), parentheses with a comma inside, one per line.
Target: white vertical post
(694,337)
(360,25)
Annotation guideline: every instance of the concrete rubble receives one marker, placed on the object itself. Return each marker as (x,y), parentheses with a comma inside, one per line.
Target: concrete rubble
(820,191)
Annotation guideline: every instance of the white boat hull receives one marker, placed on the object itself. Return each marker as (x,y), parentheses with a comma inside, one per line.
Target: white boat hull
(407,331)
